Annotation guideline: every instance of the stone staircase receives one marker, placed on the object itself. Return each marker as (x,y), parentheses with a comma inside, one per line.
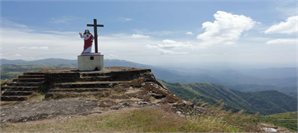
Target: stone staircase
(67,83)
(88,84)
(23,87)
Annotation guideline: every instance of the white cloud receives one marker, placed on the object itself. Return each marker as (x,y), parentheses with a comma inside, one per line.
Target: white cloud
(8,23)
(170,52)
(18,55)
(139,36)
(188,33)
(283,42)
(287,27)
(125,19)
(34,45)
(225,29)
(35,48)
(171,47)
(128,19)
(171,44)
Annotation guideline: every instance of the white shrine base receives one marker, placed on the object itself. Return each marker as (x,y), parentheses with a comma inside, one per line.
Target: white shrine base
(90,62)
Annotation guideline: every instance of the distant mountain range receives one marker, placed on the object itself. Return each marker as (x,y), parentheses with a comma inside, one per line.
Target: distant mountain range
(43,62)
(264,102)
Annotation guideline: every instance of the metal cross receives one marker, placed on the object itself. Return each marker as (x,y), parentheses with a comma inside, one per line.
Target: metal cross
(95,25)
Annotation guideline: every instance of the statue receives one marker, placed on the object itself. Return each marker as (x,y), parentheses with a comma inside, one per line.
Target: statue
(88,39)
(88,61)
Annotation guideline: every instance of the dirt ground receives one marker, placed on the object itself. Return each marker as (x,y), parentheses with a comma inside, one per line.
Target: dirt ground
(29,111)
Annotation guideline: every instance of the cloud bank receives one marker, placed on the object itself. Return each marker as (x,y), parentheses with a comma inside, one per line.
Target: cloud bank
(171,46)
(139,36)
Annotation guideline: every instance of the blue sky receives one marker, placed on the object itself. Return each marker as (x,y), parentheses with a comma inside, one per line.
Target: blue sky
(155,32)
(151,15)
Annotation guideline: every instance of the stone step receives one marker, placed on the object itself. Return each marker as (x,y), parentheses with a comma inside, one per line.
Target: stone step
(21,88)
(31,76)
(14,98)
(17,93)
(88,74)
(28,80)
(34,73)
(96,78)
(77,89)
(94,84)
(25,83)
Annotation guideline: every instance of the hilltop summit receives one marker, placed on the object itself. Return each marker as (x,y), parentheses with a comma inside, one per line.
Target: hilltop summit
(114,99)
(69,92)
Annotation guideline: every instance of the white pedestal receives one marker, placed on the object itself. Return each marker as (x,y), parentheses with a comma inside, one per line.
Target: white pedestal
(90,62)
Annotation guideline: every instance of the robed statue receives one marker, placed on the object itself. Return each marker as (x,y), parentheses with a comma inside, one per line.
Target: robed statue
(88,39)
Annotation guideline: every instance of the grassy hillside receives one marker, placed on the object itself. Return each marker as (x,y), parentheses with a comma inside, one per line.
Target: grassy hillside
(265,102)
(142,120)
(288,120)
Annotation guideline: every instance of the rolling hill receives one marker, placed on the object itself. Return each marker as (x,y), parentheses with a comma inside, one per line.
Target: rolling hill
(265,102)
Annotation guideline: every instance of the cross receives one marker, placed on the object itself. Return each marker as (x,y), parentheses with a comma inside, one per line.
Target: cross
(95,25)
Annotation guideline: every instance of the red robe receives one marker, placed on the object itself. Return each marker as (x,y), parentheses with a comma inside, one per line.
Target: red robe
(88,39)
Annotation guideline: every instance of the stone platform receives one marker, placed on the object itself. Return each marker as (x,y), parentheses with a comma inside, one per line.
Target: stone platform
(70,82)
(90,62)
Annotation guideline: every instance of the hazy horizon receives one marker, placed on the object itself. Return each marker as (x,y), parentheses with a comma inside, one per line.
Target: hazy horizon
(202,65)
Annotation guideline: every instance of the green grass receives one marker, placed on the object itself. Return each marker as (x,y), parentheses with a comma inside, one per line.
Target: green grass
(288,120)
(141,120)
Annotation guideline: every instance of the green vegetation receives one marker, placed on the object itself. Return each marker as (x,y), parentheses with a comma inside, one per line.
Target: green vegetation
(142,120)
(264,102)
(288,120)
